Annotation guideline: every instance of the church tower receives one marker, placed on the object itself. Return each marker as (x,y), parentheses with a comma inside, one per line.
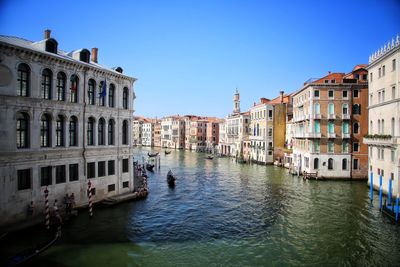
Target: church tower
(236,102)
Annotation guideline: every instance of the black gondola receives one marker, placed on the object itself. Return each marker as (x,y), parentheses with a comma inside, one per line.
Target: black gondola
(167,152)
(210,157)
(27,254)
(149,167)
(152,155)
(171,178)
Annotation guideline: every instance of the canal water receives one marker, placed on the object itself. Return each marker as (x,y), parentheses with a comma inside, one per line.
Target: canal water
(221,213)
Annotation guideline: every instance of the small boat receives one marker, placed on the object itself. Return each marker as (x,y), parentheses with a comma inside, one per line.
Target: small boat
(209,157)
(149,167)
(27,254)
(167,152)
(152,155)
(171,178)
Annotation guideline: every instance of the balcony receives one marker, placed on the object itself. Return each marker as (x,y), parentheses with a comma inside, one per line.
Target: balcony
(331,116)
(345,116)
(331,135)
(317,116)
(313,135)
(299,118)
(345,135)
(381,140)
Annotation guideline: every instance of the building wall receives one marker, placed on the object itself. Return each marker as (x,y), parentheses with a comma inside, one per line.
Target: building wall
(279,129)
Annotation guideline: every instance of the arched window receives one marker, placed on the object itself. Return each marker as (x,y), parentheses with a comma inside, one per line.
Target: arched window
(331,127)
(45,125)
(344,164)
(383,127)
(90,132)
(125,132)
(60,131)
(74,89)
(371,127)
(125,98)
(356,128)
(316,163)
(331,109)
(111,132)
(91,92)
(22,130)
(356,109)
(100,132)
(111,96)
(345,109)
(46,84)
(345,127)
(330,164)
(317,109)
(23,80)
(258,129)
(73,131)
(61,86)
(379,126)
(102,95)
(393,128)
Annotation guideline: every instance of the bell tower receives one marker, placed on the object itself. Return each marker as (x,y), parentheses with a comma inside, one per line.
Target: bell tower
(236,102)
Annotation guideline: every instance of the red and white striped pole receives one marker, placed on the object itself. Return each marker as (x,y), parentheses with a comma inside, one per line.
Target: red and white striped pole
(90,198)
(47,209)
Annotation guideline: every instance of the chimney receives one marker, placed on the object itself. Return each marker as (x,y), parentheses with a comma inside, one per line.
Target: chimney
(281,97)
(94,54)
(329,72)
(47,34)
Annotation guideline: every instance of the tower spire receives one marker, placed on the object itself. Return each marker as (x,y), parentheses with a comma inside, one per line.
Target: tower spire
(236,102)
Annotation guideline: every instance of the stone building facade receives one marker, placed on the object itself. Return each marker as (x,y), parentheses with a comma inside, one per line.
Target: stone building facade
(65,120)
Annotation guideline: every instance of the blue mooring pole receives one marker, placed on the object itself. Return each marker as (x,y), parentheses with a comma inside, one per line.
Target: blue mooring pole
(380,191)
(390,192)
(371,188)
(397,207)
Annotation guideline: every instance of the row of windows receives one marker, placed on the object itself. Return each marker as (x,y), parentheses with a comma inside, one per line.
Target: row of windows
(345,94)
(381,127)
(381,96)
(46,173)
(261,114)
(23,131)
(356,108)
(381,154)
(331,164)
(23,88)
(315,147)
(382,70)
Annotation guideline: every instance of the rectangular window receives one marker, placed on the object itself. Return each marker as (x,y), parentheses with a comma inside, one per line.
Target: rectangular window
(101,169)
(316,145)
(365,77)
(326,81)
(73,172)
(345,95)
(379,72)
(317,127)
(91,170)
(125,165)
(24,179)
(345,147)
(355,93)
(111,167)
(393,92)
(330,93)
(382,154)
(46,176)
(125,184)
(331,127)
(392,155)
(370,76)
(393,64)
(111,187)
(345,127)
(355,147)
(270,114)
(60,174)
(331,147)
(316,93)
(355,164)
(383,70)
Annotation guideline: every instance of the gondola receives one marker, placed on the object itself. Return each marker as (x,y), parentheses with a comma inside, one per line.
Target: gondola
(210,157)
(171,178)
(27,254)
(149,167)
(152,155)
(167,152)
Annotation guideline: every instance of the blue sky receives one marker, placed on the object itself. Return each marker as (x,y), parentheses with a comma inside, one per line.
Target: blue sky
(189,56)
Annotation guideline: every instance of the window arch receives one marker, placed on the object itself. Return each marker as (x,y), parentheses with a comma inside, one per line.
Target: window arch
(101,132)
(317,109)
(73,131)
(22,130)
(74,89)
(90,132)
(357,109)
(23,80)
(330,164)
(102,98)
(125,132)
(111,95)
(345,108)
(61,81)
(91,92)
(316,163)
(47,76)
(125,98)
(111,127)
(60,131)
(45,130)
(344,164)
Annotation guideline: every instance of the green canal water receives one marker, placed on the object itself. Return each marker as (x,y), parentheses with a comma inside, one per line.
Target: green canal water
(221,213)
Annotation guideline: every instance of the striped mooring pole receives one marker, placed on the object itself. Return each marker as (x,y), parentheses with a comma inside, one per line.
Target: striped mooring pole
(90,198)
(397,207)
(380,191)
(47,209)
(371,188)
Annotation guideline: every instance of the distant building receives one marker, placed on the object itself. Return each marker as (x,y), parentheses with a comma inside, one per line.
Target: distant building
(137,130)
(148,133)
(173,132)
(157,133)
(383,137)
(212,135)
(65,120)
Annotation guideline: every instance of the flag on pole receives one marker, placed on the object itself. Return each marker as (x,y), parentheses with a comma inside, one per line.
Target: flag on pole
(104,89)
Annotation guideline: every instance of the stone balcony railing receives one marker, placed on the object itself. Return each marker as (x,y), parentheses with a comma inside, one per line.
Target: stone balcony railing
(331,135)
(381,140)
(345,135)
(317,116)
(331,116)
(345,116)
